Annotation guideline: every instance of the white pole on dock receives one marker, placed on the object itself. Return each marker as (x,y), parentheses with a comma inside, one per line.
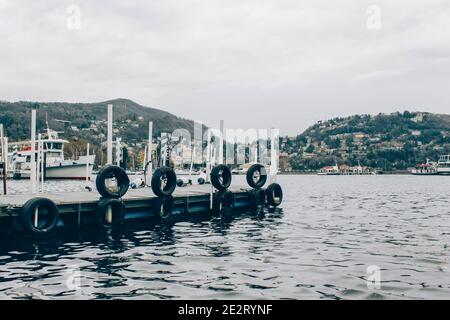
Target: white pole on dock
(149,151)
(256,150)
(192,162)
(110,139)
(221,140)
(208,156)
(273,155)
(38,162)
(145,157)
(208,168)
(1,144)
(42,166)
(33,150)
(5,152)
(87,163)
(213,157)
(118,151)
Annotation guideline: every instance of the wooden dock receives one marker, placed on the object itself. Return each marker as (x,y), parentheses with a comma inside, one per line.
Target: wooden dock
(86,197)
(79,208)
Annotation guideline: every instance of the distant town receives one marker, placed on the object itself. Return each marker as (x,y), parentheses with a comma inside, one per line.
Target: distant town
(393,142)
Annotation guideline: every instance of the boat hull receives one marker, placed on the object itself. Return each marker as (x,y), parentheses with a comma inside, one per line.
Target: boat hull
(68,172)
(73,171)
(328,174)
(424,174)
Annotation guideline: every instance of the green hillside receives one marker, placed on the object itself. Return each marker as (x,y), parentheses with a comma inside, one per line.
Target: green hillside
(87,120)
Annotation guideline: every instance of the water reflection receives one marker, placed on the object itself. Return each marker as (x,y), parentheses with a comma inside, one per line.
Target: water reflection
(105,259)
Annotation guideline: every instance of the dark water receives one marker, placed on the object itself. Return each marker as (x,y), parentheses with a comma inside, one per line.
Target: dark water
(320,246)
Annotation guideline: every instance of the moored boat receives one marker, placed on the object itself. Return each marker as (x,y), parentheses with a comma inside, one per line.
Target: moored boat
(56,166)
(329,171)
(425,169)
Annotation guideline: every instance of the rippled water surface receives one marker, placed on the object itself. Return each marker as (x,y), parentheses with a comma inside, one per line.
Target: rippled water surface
(329,232)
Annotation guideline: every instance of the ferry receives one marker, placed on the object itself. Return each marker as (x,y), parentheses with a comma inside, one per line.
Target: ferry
(443,165)
(425,169)
(345,170)
(56,166)
(329,171)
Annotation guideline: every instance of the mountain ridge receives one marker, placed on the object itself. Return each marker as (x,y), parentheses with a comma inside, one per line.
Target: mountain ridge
(15,117)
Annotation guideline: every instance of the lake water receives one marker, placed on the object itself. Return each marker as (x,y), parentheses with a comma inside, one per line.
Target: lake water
(337,237)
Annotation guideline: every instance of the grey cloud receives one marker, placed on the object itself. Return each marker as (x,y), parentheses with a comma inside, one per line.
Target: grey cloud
(253,63)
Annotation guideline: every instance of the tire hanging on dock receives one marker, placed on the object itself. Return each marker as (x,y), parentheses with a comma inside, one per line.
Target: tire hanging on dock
(258,198)
(39,216)
(223,202)
(164,207)
(164,182)
(114,217)
(256,176)
(112,174)
(274,194)
(221,177)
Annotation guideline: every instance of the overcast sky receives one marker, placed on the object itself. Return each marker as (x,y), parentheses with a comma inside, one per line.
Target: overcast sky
(282,63)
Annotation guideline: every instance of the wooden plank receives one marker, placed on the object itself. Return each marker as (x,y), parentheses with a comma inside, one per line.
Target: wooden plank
(67,198)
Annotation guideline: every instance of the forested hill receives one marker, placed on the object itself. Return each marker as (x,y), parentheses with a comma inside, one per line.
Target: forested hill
(386,141)
(87,120)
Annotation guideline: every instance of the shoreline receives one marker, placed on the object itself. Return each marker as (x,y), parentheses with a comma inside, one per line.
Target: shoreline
(300,173)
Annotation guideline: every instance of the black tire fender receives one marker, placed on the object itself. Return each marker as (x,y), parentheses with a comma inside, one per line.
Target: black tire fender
(167,174)
(164,207)
(112,172)
(274,194)
(221,177)
(27,216)
(223,202)
(257,171)
(117,212)
(258,198)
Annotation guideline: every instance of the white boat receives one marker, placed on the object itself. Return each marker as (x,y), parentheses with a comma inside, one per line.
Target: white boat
(56,167)
(186,172)
(443,165)
(425,169)
(239,171)
(329,171)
